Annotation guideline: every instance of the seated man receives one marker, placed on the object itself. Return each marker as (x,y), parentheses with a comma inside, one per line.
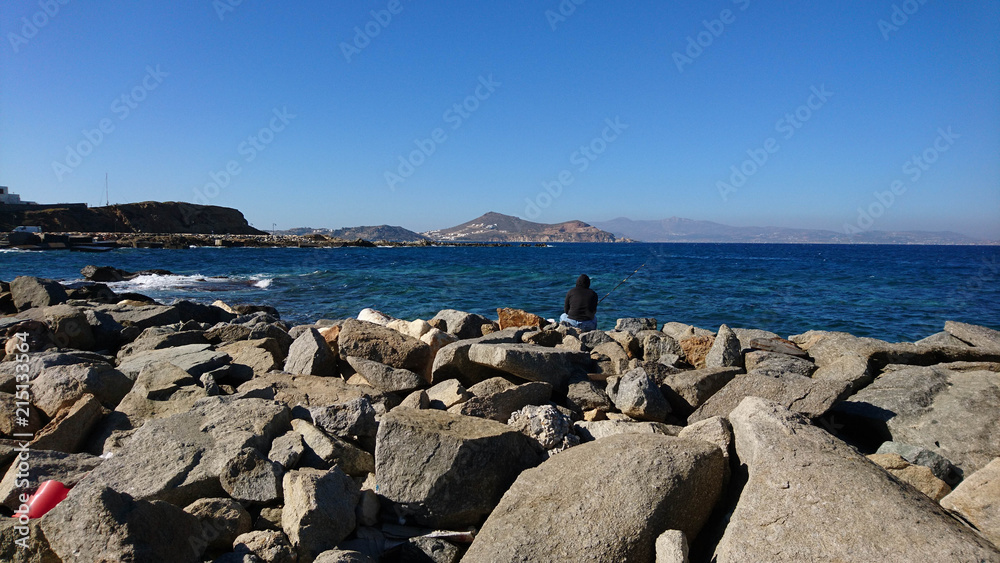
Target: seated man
(580,307)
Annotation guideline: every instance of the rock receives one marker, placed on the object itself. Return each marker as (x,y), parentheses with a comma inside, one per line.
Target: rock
(384,345)
(368,508)
(943,338)
(271,546)
(770,363)
(628,341)
(636,395)
(310,355)
(330,450)
(595,430)
(585,395)
(594,337)
(696,348)
(33,547)
(70,327)
(375,317)
(919,477)
(386,378)
(343,556)
(446,394)
(726,350)
(656,345)
(307,390)
(976,500)
(461,324)
(104,274)
(97,523)
(195,359)
(287,449)
(978,336)
(416,400)
(43,465)
(181,458)
(222,520)
(252,478)
(610,357)
(158,338)
(11,423)
(495,401)
(29,292)
(955,414)
(68,430)
(801,479)
(672,547)
(716,430)
(352,418)
(437,339)
(532,363)
(259,355)
(681,331)
(547,338)
(688,390)
(319,509)
(544,424)
(939,466)
(269,519)
(447,470)
(609,511)
(635,324)
(799,394)
(426,550)
(59,387)
(512,318)
(452,361)
(774,344)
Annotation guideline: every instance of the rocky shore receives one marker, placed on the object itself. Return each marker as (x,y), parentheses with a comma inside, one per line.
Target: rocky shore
(192,432)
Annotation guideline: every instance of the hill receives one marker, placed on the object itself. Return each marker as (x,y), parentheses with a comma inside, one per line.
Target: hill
(379,232)
(496,227)
(146,217)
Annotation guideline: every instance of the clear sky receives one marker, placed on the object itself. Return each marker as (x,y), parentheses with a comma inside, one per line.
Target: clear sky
(428,114)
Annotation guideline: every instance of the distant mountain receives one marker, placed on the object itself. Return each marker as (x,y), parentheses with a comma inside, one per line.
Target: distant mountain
(496,227)
(380,232)
(676,229)
(144,217)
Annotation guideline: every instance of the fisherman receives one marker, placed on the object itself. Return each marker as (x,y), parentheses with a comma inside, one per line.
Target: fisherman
(580,306)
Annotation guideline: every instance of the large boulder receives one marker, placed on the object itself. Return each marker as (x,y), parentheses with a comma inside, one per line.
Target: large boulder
(498,398)
(307,390)
(461,324)
(689,389)
(386,378)
(529,362)
(605,501)
(633,324)
(452,361)
(803,496)
(58,387)
(311,355)
(800,394)
(43,465)
(31,292)
(595,430)
(447,470)
(979,336)
(319,509)
(955,414)
(726,350)
(382,344)
(770,363)
(196,359)
(259,355)
(70,327)
(636,395)
(977,498)
(181,458)
(160,337)
(509,318)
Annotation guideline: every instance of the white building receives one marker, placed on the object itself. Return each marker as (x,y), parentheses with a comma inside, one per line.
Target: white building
(9,198)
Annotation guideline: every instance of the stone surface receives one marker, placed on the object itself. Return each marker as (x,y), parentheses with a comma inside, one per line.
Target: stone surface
(9,422)
(544,424)
(195,359)
(772,344)
(307,390)
(672,547)
(716,430)
(180,458)
(59,387)
(512,318)
(610,357)
(637,395)
(696,348)
(656,345)
(319,509)
(770,363)
(952,413)
(29,292)
(259,355)
(802,480)
(160,337)
(325,450)
(532,363)
(628,341)
(310,355)
(69,326)
(583,395)
(343,556)
(918,476)
(572,509)
(375,317)
(452,361)
(252,478)
(595,430)
(386,378)
(222,520)
(382,344)
(271,546)
(287,449)
(68,430)
(34,548)
(939,466)
(447,470)
(97,523)
(800,394)
(498,402)
(44,465)
(461,324)
(681,331)
(977,500)
(726,350)
(975,335)
(446,394)
(635,324)
(689,389)
(351,418)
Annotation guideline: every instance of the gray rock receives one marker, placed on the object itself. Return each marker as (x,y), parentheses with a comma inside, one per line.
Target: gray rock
(637,395)
(500,402)
(343,556)
(416,400)
(610,358)
(943,338)
(307,390)
(59,387)
(672,547)
(427,550)
(195,359)
(252,478)
(325,450)
(287,449)
(681,331)
(584,395)
(256,356)
(726,351)
(771,344)
(68,430)
(33,547)
(544,424)
(44,465)
(9,423)
(382,344)
(29,292)
(311,355)
(594,337)
(610,511)
(446,394)
(222,520)
(799,394)
(447,470)
(941,467)
(160,337)
(319,509)
(97,523)
(978,336)
(271,546)
(590,431)
(628,341)
(770,363)
(635,324)
(656,345)
(386,378)
(70,327)
(952,413)
(976,500)
(180,458)
(461,324)
(352,418)
(688,390)
(802,479)
(452,361)
(532,363)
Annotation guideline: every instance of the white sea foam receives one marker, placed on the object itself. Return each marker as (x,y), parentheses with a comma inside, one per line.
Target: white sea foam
(263,283)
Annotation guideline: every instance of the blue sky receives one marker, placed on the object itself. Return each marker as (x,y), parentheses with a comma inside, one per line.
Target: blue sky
(881,114)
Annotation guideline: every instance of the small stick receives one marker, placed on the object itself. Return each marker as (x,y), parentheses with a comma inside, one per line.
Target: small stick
(623,281)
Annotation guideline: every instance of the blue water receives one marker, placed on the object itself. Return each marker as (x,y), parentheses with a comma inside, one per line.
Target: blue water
(896,293)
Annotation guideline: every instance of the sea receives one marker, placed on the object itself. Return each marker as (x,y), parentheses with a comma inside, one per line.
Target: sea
(894,293)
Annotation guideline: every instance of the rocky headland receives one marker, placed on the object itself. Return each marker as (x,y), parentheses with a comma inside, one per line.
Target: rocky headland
(194,432)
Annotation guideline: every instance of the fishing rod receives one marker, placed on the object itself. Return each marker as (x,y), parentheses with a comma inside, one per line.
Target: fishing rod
(623,281)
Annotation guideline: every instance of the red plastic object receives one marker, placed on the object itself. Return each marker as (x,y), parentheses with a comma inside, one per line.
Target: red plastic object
(46,498)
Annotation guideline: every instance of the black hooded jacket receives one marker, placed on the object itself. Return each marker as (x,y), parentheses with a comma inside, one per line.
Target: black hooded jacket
(581,301)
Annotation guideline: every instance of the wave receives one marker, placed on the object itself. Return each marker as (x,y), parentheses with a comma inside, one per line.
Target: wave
(194,282)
